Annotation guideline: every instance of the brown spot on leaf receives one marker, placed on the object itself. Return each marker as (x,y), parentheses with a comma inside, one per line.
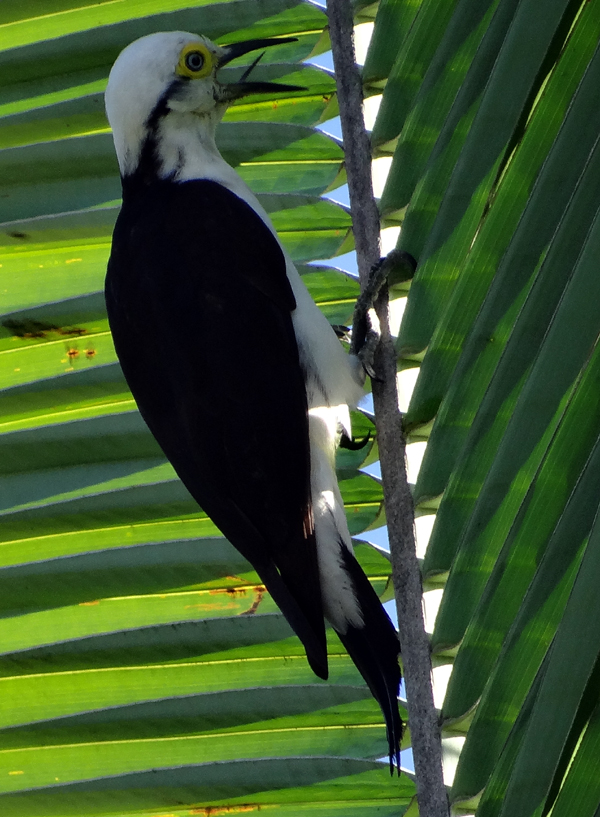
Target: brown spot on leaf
(40,329)
(229,591)
(260,592)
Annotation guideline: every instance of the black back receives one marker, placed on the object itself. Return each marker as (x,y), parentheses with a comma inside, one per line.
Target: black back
(200,308)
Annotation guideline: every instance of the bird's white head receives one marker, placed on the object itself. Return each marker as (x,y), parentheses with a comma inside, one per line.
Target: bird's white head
(163,97)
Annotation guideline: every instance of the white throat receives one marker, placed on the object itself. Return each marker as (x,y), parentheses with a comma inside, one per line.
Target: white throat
(185,145)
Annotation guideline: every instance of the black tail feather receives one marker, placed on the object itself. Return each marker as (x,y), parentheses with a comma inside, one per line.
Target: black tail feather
(375,648)
(311,631)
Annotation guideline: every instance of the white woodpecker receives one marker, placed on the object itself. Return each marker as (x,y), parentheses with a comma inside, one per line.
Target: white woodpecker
(237,373)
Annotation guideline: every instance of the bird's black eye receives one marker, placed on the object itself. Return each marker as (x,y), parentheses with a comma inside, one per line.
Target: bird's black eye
(194,61)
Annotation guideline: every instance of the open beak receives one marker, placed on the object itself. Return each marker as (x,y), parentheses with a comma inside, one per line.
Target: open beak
(236,90)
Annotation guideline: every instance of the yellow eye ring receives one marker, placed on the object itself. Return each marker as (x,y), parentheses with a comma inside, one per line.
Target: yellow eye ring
(195,61)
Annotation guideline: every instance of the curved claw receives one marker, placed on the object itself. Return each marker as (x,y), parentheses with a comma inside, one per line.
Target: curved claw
(366,354)
(352,444)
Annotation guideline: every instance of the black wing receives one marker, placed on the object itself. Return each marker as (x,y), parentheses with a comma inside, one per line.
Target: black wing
(200,309)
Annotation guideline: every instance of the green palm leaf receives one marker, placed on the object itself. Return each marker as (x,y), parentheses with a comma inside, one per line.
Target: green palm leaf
(144,668)
(493,126)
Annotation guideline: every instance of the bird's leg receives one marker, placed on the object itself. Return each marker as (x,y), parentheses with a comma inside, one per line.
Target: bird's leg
(365,337)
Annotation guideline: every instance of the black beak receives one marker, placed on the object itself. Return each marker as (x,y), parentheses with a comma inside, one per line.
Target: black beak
(239,49)
(236,90)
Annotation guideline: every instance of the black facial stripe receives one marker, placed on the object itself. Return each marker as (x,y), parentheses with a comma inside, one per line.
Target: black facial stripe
(149,163)
(161,109)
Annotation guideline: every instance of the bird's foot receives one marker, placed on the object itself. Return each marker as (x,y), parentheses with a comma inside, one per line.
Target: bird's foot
(365,336)
(366,353)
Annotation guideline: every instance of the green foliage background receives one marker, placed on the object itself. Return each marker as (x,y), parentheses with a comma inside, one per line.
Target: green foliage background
(143,669)
(490,112)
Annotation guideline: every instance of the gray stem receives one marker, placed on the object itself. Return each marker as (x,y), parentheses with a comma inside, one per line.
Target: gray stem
(416,658)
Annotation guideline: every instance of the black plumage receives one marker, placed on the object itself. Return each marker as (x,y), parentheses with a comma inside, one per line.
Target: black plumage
(200,309)
(375,648)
